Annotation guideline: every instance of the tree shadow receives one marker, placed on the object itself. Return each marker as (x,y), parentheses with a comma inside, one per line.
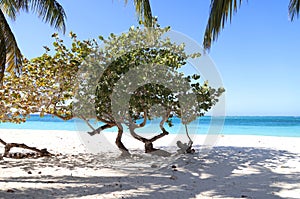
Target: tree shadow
(226,172)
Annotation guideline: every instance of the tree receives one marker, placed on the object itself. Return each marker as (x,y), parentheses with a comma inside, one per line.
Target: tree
(131,74)
(220,11)
(117,83)
(44,86)
(10,55)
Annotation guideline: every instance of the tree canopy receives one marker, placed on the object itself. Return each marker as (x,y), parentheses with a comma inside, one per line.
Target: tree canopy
(125,79)
(10,55)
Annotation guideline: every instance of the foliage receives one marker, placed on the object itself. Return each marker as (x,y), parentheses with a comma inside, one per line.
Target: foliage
(49,11)
(46,83)
(137,70)
(128,77)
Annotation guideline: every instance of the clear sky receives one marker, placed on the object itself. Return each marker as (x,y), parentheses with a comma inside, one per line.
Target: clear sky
(258,54)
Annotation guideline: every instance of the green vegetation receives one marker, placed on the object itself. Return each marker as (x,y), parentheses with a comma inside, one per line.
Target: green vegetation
(10,55)
(139,81)
(123,80)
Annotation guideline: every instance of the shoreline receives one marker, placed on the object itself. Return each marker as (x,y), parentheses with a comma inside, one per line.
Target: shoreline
(78,140)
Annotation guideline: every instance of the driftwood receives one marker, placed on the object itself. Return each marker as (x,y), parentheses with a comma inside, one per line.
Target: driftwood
(35,154)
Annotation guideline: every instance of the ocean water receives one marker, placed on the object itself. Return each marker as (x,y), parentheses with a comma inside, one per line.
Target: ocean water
(288,126)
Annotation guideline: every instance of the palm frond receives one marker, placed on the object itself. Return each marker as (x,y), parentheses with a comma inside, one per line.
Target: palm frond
(2,56)
(143,10)
(294,9)
(10,55)
(9,8)
(50,11)
(220,10)
(22,4)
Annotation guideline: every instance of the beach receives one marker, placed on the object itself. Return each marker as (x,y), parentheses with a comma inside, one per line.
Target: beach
(237,166)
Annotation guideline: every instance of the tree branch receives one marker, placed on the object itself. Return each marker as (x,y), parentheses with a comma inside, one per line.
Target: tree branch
(161,125)
(136,136)
(145,119)
(134,125)
(119,143)
(9,146)
(2,142)
(101,128)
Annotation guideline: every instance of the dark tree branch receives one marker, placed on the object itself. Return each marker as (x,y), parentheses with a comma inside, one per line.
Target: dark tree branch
(148,142)
(42,152)
(136,136)
(159,136)
(2,142)
(133,125)
(101,128)
(9,146)
(145,119)
(161,125)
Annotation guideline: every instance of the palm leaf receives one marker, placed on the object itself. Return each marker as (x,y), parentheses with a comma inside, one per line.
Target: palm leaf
(2,56)
(50,11)
(143,11)
(10,55)
(9,8)
(294,9)
(220,10)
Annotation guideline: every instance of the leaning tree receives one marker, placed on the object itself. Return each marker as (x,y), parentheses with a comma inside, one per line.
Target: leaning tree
(124,80)
(45,85)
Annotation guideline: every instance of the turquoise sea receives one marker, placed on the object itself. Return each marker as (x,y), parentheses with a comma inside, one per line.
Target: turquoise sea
(232,125)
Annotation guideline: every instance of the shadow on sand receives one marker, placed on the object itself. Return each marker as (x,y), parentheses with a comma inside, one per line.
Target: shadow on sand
(226,172)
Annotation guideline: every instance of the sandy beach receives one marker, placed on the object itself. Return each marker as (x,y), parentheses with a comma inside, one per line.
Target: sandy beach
(236,167)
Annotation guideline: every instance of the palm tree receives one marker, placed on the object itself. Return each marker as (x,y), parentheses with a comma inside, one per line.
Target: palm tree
(220,10)
(50,11)
(143,11)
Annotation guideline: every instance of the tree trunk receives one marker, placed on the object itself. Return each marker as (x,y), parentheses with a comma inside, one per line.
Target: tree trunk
(149,147)
(148,142)
(119,143)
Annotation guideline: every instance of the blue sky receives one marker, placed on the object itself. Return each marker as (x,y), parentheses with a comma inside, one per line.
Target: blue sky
(257,54)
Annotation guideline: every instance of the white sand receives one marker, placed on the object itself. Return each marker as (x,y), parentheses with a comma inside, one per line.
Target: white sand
(236,167)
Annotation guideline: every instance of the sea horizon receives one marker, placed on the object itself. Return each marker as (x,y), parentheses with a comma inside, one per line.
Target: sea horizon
(283,126)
